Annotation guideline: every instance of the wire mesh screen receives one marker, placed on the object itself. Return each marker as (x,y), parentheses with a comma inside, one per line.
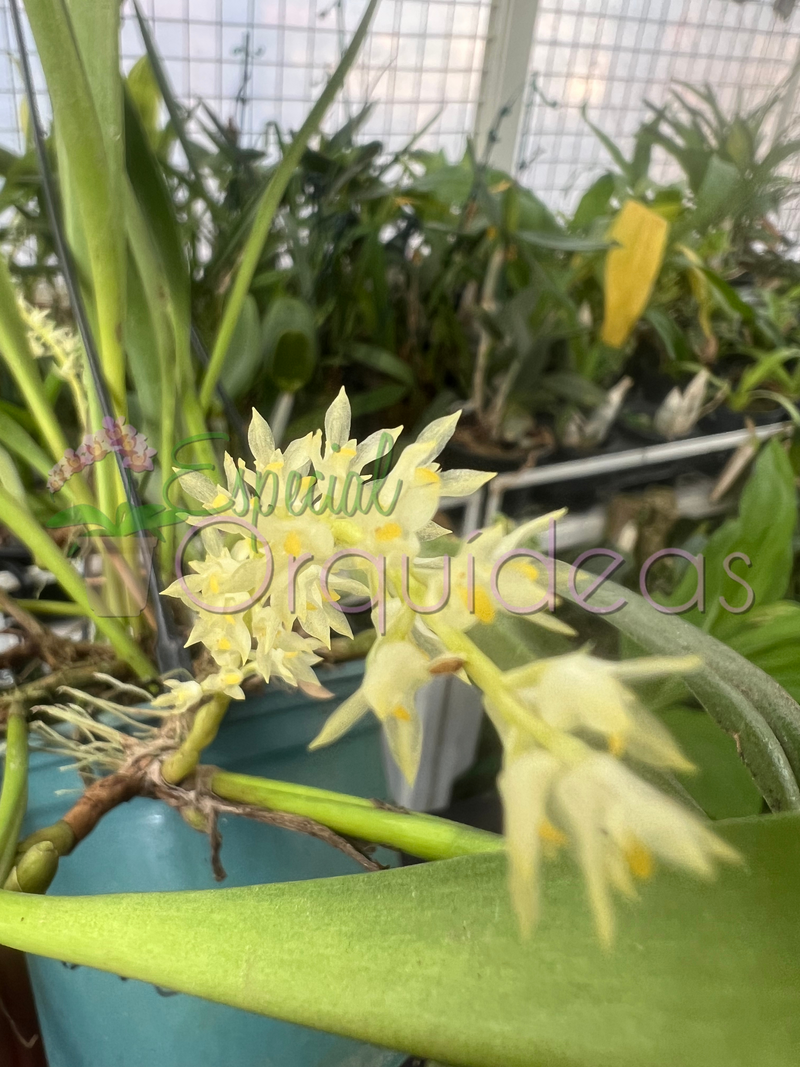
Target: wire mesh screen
(257,61)
(614,55)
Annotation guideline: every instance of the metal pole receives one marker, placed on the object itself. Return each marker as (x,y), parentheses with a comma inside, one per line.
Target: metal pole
(621,461)
(505,76)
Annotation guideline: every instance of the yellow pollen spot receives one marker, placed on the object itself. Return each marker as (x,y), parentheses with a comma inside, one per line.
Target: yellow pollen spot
(401,713)
(349,453)
(390,531)
(310,606)
(290,655)
(231,678)
(213,584)
(331,596)
(616,745)
(276,465)
(230,620)
(223,645)
(425,476)
(484,608)
(219,500)
(551,834)
(639,859)
(528,570)
(292,545)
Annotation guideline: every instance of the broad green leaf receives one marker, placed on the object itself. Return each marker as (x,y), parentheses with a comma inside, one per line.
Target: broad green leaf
(451,185)
(671,335)
(715,197)
(729,300)
(631,269)
(81,515)
(289,343)
(377,399)
(594,203)
(429,960)
(146,96)
(770,638)
(379,359)
(245,353)
(563,242)
(84,88)
(148,182)
(142,350)
(721,785)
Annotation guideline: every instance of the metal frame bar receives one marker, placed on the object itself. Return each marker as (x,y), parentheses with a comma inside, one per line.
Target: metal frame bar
(499,118)
(649,456)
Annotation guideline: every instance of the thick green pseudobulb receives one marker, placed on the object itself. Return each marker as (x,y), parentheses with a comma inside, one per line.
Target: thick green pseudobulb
(428,959)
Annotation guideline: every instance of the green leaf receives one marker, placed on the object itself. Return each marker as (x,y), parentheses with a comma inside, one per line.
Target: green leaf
(564,242)
(715,197)
(79,52)
(268,205)
(15,350)
(450,185)
(19,441)
(742,700)
(379,359)
(671,335)
(770,638)
(594,203)
(721,786)
(289,343)
(146,96)
(763,532)
(377,399)
(609,145)
(428,959)
(82,515)
(729,299)
(244,356)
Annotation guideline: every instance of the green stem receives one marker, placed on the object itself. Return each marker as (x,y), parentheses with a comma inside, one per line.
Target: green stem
(268,206)
(52,607)
(425,836)
(204,729)
(46,553)
(14,796)
(489,678)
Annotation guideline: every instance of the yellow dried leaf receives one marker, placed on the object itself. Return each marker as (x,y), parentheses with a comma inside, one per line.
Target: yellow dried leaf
(631,269)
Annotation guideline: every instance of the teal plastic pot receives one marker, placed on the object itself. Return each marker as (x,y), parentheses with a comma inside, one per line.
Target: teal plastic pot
(92,1019)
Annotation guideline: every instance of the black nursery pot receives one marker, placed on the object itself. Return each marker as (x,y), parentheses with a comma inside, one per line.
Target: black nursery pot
(724,419)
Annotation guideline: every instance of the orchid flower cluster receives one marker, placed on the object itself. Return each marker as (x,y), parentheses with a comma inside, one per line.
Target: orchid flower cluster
(115,436)
(287,550)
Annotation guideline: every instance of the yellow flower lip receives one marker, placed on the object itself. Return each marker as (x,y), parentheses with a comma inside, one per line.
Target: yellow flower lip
(292,545)
(639,859)
(425,476)
(551,834)
(389,531)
